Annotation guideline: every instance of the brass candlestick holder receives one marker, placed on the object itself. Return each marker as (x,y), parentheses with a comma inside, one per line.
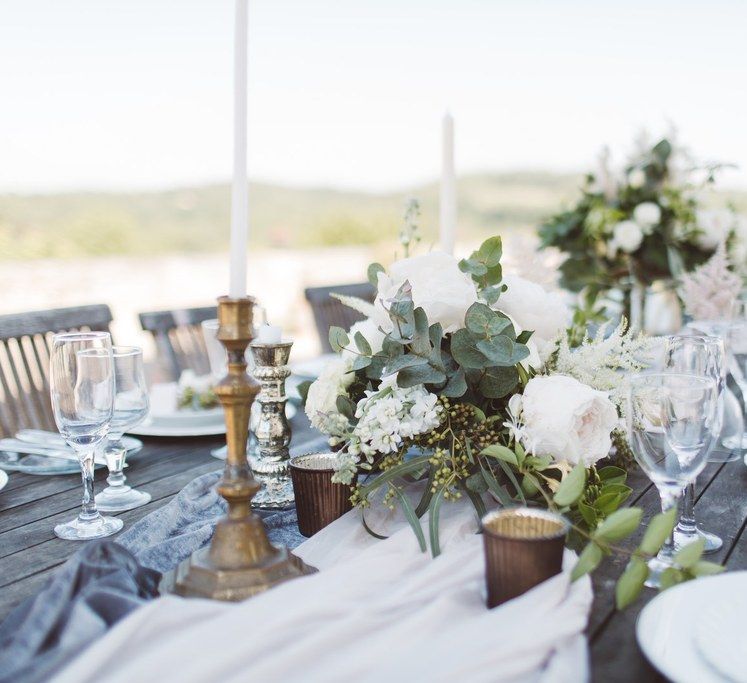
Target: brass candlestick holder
(240,561)
(269,462)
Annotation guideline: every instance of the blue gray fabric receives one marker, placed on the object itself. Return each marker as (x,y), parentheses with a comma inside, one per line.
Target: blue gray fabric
(105,580)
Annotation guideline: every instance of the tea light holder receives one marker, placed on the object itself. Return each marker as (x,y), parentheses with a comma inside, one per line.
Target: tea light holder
(523,548)
(319,501)
(269,460)
(240,561)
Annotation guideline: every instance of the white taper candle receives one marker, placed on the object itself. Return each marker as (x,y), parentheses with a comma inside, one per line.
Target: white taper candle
(447,199)
(239,188)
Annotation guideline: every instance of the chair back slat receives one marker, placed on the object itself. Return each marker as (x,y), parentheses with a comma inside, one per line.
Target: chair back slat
(178,337)
(25,342)
(329,312)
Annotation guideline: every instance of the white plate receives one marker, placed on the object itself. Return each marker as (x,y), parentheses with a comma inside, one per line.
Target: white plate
(667,626)
(153,427)
(3,479)
(721,636)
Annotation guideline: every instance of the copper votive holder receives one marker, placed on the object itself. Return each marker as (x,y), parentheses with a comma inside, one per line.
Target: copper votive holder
(319,502)
(523,548)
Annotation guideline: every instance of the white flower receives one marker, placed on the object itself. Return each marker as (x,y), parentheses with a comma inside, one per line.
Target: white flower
(372,334)
(530,307)
(627,235)
(200,384)
(438,286)
(715,225)
(321,401)
(647,215)
(567,420)
(637,178)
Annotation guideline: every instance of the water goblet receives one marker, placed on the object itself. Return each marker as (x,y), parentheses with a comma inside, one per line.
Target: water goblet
(81,382)
(130,409)
(738,343)
(703,356)
(672,421)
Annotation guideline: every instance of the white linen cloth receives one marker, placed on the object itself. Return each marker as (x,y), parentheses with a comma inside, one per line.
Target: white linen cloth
(376,611)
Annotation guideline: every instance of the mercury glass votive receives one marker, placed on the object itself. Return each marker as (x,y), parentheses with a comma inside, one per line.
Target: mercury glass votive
(523,548)
(319,501)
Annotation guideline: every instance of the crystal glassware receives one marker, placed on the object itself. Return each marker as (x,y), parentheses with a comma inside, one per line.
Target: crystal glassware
(81,382)
(703,356)
(672,421)
(738,345)
(130,409)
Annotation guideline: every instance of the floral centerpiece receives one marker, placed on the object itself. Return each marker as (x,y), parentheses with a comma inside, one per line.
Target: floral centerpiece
(642,225)
(476,383)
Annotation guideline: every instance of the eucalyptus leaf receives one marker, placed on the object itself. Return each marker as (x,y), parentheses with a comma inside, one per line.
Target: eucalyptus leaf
(434,509)
(303,390)
(495,488)
(690,554)
(473,267)
(338,339)
(588,561)
(465,352)
(361,362)
(703,568)
(483,320)
(630,584)
(612,475)
(502,453)
(456,386)
(420,374)
(571,487)
(490,251)
(346,407)
(658,531)
(362,343)
(411,517)
(406,361)
(512,478)
(373,273)
(476,482)
(619,524)
(498,382)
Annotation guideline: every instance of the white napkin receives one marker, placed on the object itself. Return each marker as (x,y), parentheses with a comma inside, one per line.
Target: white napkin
(377,611)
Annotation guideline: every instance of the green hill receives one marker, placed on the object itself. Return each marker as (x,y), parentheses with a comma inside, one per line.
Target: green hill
(196,219)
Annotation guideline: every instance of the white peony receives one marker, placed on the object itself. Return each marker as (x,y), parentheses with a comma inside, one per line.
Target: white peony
(637,178)
(530,307)
(565,419)
(715,225)
(321,401)
(438,286)
(627,235)
(369,328)
(647,215)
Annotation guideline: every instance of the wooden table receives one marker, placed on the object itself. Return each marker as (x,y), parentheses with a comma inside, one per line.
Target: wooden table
(30,507)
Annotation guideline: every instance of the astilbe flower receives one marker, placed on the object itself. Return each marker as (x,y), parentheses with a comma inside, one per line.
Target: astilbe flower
(710,290)
(599,361)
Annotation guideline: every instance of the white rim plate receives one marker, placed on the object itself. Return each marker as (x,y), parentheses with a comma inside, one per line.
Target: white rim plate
(153,428)
(3,479)
(721,637)
(666,627)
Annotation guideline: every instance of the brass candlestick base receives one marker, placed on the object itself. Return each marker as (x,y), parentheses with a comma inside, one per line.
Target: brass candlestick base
(240,561)
(270,460)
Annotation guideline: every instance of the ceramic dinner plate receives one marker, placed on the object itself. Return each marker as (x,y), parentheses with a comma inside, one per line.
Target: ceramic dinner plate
(44,466)
(670,634)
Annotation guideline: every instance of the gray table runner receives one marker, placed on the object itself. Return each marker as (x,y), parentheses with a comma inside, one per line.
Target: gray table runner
(105,580)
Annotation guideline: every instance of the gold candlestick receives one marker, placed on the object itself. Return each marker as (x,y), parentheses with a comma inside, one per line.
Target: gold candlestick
(240,561)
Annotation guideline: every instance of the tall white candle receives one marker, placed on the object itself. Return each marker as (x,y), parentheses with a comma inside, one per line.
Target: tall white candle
(447,204)
(240,188)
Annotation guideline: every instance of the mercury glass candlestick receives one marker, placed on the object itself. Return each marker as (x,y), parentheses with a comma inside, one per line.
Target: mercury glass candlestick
(240,561)
(269,461)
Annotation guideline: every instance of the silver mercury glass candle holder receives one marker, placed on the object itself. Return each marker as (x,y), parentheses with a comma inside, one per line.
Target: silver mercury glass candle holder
(269,460)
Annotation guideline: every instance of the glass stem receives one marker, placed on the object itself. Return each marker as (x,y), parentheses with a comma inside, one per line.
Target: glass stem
(687,521)
(88,509)
(669,499)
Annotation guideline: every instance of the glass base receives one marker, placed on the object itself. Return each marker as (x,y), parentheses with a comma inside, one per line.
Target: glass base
(120,498)
(81,529)
(730,451)
(656,567)
(683,538)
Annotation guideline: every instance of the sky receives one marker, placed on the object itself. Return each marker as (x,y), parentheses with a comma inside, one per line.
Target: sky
(137,94)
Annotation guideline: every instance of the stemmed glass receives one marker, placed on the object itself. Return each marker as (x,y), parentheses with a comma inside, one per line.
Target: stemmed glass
(82,393)
(705,357)
(672,420)
(130,409)
(738,342)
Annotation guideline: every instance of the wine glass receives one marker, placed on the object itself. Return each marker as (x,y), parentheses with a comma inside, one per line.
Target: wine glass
(130,409)
(672,423)
(703,356)
(82,392)
(738,343)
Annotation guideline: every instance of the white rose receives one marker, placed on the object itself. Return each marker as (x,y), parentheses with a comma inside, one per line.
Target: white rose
(530,307)
(568,420)
(647,215)
(372,334)
(627,235)
(637,178)
(321,401)
(715,226)
(438,286)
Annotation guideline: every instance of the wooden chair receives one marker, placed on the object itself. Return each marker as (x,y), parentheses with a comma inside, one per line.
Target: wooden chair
(178,337)
(25,343)
(329,312)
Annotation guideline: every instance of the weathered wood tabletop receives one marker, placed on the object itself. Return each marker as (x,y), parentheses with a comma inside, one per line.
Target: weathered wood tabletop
(30,506)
